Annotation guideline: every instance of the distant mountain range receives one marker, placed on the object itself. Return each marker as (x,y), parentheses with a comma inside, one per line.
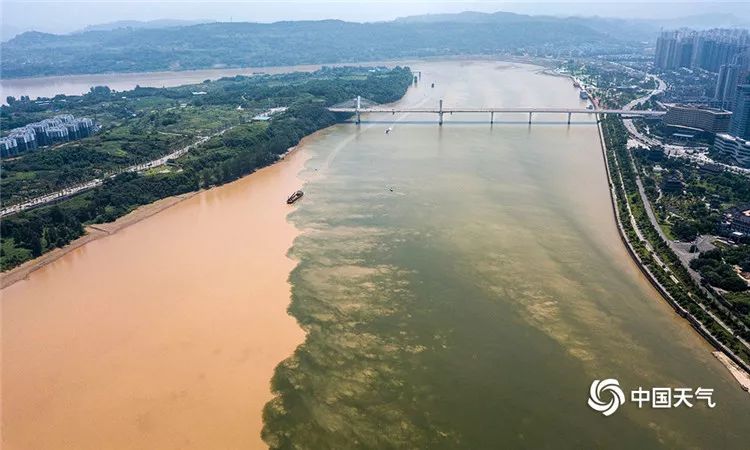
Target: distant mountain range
(632,29)
(615,28)
(131,46)
(138,24)
(9,31)
(213,45)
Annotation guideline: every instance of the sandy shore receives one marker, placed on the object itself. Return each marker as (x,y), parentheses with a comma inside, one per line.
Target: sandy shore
(737,372)
(93,232)
(158,330)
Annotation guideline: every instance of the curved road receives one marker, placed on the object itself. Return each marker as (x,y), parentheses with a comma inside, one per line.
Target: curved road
(680,251)
(675,150)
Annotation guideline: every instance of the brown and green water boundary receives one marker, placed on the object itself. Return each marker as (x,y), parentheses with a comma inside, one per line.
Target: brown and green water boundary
(461,286)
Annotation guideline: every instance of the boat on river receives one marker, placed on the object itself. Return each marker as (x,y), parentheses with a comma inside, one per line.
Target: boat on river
(294,197)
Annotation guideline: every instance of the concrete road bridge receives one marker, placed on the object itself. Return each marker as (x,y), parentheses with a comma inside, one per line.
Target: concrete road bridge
(361,106)
(357,106)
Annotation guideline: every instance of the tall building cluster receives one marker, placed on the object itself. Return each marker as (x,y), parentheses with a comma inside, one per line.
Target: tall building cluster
(708,50)
(674,49)
(727,53)
(730,77)
(722,51)
(60,128)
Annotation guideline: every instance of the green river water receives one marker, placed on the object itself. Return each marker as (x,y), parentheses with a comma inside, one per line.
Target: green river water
(474,303)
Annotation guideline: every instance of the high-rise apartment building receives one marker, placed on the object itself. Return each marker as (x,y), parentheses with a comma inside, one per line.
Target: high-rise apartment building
(740,124)
(730,76)
(708,50)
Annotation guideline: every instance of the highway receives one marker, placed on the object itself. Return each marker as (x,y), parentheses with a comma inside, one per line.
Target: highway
(672,150)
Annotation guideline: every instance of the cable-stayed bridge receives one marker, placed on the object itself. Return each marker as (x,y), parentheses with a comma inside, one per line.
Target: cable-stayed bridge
(359,106)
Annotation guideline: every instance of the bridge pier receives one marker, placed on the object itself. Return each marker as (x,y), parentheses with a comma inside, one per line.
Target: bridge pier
(359,105)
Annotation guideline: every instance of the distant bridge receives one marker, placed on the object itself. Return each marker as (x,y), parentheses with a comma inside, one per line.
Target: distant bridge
(358,108)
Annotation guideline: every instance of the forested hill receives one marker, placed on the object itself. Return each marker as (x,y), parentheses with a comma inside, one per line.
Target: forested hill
(286,43)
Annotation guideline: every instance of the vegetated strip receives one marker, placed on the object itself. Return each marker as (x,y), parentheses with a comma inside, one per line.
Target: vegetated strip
(683,297)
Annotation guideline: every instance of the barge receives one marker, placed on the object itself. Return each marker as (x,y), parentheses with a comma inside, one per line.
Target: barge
(294,197)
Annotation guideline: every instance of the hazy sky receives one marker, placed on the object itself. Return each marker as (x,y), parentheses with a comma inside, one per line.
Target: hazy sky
(60,16)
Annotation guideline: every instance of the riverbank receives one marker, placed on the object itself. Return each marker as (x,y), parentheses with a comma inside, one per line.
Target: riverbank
(217,161)
(99,230)
(157,333)
(93,232)
(738,369)
(742,377)
(50,86)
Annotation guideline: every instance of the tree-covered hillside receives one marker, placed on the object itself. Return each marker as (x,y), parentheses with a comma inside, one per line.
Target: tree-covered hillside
(285,43)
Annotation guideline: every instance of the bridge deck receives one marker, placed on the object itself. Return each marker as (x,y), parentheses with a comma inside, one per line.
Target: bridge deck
(501,110)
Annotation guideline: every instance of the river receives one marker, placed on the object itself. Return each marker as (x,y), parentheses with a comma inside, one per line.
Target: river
(80,84)
(459,286)
(124,81)
(162,335)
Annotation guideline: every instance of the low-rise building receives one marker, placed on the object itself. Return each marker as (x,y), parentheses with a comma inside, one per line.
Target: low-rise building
(672,184)
(706,119)
(738,220)
(733,147)
(710,169)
